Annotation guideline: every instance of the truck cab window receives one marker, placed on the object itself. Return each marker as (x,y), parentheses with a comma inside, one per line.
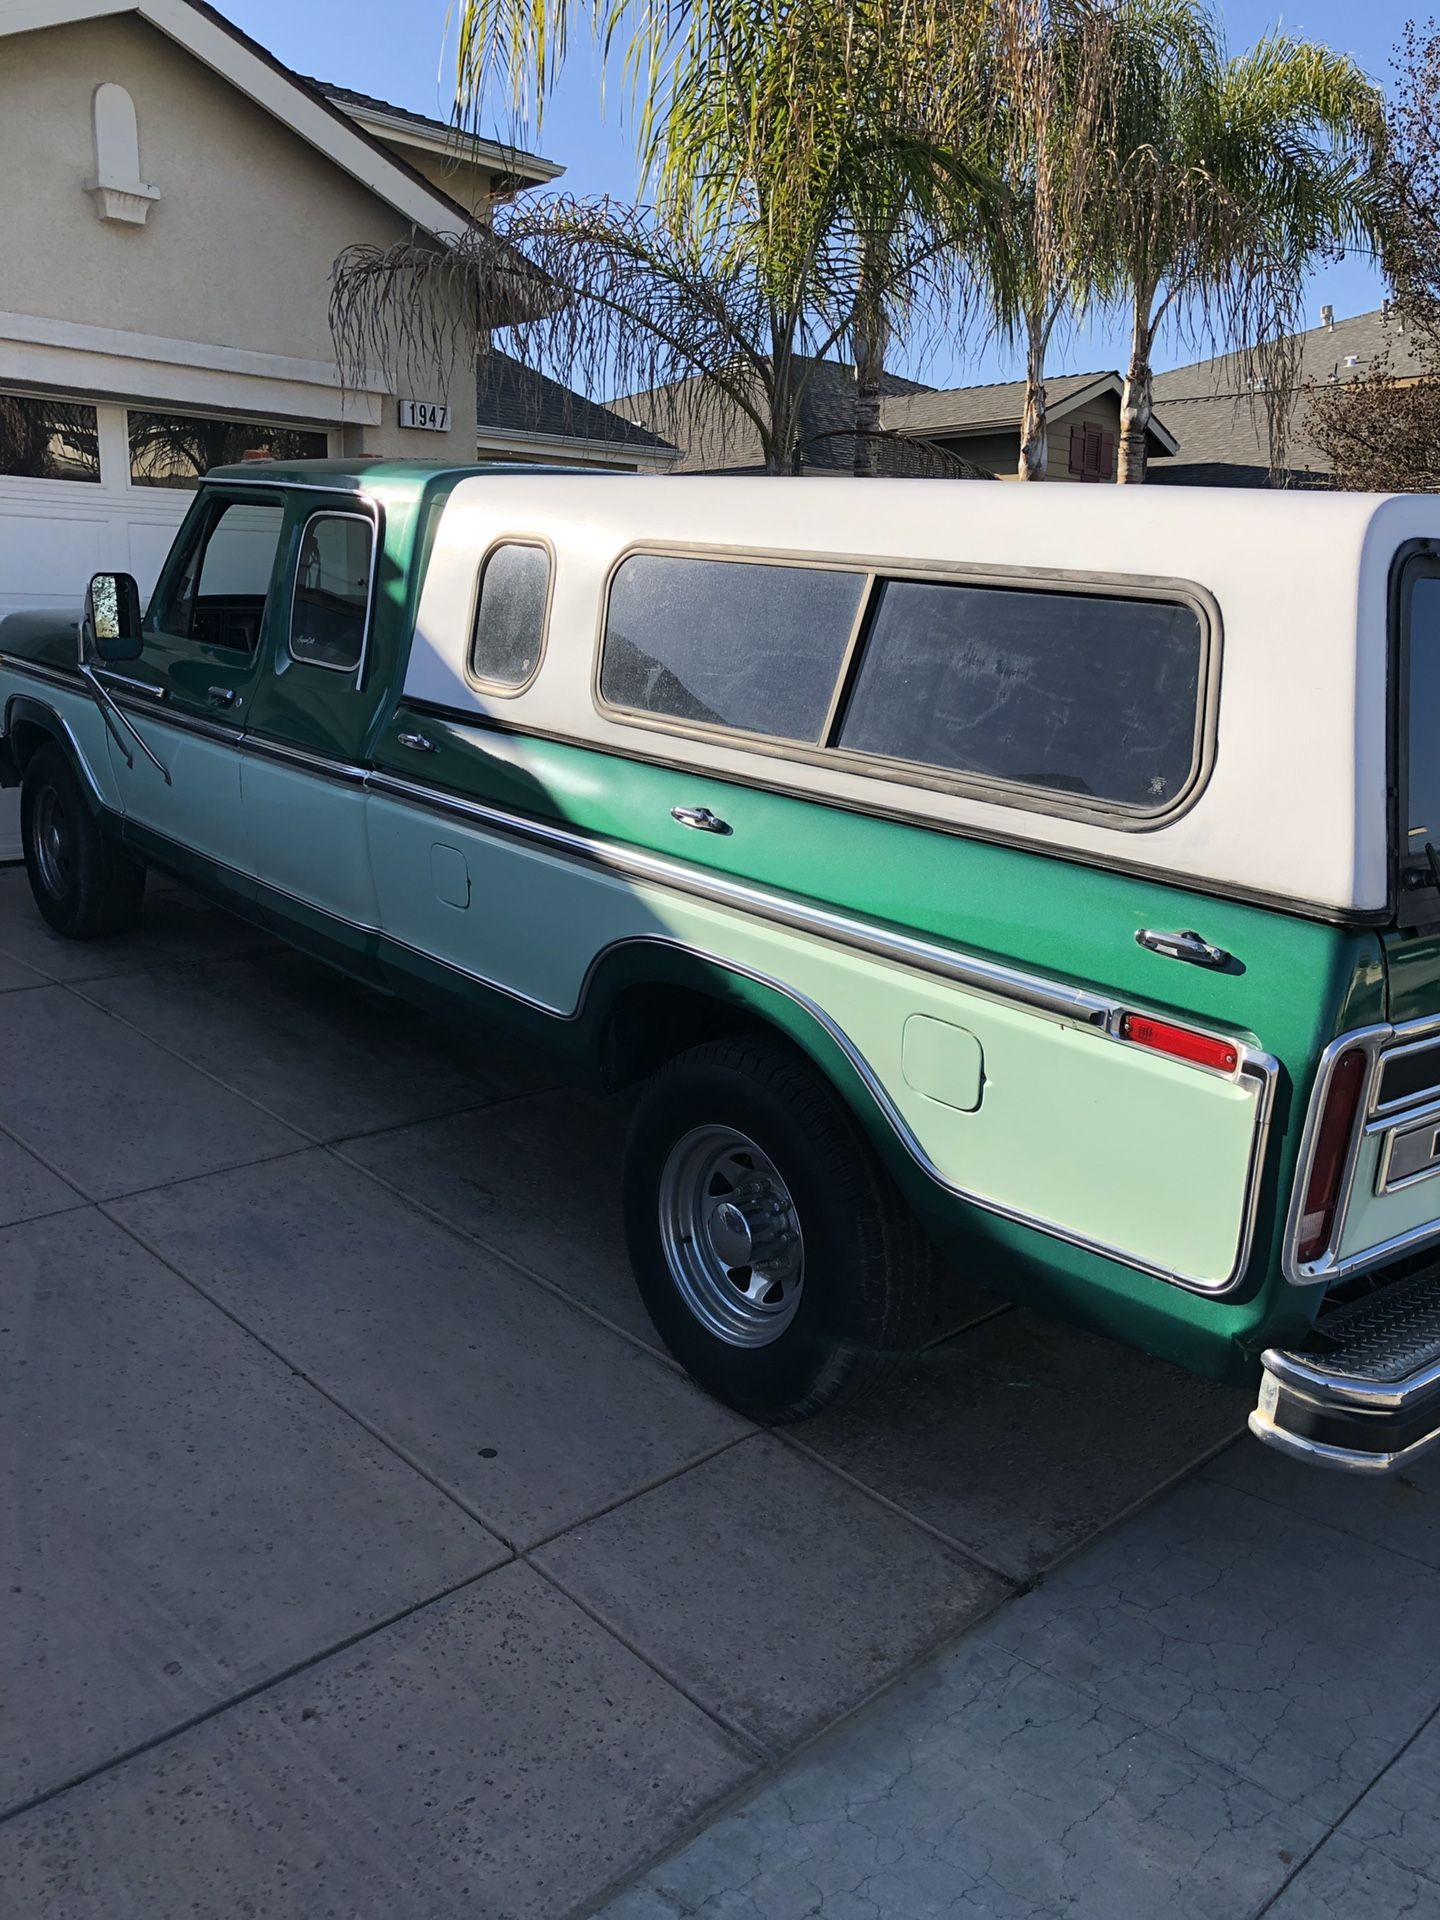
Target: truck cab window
(218,594)
(332,591)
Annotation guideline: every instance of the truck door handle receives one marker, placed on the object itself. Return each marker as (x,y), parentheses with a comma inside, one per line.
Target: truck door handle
(701,818)
(417,742)
(1184,945)
(221,696)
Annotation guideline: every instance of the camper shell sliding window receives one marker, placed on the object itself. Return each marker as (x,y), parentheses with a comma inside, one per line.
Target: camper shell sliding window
(1078,699)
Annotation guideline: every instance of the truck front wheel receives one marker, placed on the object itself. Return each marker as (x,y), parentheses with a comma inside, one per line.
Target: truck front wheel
(83,882)
(777,1262)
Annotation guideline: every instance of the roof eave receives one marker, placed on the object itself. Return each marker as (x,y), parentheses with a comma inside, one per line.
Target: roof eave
(512,163)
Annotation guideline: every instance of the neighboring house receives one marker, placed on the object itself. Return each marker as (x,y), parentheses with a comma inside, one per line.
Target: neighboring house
(715,436)
(1219,414)
(978,428)
(983,424)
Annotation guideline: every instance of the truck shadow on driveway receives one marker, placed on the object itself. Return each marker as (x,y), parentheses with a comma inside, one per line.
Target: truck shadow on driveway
(365,1552)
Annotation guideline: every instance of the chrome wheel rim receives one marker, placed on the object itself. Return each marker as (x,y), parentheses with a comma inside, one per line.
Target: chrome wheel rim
(731,1236)
(52,842)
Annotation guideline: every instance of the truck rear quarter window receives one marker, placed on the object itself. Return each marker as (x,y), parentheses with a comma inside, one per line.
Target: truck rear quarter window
(725,643)
(332,591)
(1077,693)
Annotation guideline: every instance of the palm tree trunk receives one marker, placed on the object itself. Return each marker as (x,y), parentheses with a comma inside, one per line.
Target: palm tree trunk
(1034,431)
(1136,401)
(872,336)
(782,449)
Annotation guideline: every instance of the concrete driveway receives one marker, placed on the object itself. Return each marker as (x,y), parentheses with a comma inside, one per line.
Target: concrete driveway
(363,1555)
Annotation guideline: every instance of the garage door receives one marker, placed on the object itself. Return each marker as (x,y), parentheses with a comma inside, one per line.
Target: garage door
(56,532)
(87,488)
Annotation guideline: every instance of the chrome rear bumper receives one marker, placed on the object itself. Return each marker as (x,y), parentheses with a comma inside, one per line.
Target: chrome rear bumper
(1367,1400)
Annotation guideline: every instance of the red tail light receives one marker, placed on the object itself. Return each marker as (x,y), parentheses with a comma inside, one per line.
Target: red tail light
(1202,1049)
(1327,1162)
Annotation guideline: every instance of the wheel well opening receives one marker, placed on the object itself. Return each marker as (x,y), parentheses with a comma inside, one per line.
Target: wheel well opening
(648,1025)
(25,738)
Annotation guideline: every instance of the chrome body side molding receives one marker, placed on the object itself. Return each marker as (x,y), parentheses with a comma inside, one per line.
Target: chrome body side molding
(633,863)
(1074,1006)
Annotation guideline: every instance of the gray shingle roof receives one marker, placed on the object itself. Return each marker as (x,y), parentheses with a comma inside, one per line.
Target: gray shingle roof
(987,409)
(511,397)
(718,438)
(1324,353)
(1221,424)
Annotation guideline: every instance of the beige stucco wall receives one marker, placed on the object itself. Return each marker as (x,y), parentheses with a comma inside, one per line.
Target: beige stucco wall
(237,251)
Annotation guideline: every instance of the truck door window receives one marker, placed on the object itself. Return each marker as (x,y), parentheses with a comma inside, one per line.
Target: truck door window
(332,591)
(218,595)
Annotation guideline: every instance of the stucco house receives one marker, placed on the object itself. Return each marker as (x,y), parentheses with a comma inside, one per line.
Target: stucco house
(175,198)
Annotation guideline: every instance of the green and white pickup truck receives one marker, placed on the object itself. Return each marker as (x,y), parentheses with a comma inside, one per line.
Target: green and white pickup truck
(1044,878)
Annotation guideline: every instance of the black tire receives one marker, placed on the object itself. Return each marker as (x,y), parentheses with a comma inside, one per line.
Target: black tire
(867,1273)
(84,883)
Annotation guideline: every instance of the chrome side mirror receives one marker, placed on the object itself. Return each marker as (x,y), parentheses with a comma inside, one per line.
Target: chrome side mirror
(111,627)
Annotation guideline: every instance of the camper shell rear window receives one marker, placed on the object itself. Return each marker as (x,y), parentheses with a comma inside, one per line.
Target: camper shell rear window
(1066,697)
(1418,682)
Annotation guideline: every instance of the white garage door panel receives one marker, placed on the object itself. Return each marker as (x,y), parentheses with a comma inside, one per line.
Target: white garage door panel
(46,561)
(54,534)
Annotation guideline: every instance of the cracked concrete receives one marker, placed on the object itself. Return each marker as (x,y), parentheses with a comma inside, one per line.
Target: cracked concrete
(1224,1709)
(366,1557)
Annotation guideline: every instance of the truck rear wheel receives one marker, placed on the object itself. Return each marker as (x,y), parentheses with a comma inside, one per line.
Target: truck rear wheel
(777,1262)
(85,884)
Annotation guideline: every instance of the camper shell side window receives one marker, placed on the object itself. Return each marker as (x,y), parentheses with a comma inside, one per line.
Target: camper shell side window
(1068,697)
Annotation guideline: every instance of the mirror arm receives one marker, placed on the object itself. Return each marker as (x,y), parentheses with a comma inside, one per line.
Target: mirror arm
(110,713)
(103,704)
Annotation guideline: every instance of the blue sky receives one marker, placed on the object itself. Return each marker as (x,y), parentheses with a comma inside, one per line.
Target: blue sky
(399,53)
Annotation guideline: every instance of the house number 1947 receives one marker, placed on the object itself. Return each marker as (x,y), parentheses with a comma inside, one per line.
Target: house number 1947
(429,415)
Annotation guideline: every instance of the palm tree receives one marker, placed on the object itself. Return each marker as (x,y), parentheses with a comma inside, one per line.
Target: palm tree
(1225,178)
(828,127)
(1046,65)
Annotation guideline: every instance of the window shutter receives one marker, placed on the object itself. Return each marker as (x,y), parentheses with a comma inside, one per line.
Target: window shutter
(1092,451)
